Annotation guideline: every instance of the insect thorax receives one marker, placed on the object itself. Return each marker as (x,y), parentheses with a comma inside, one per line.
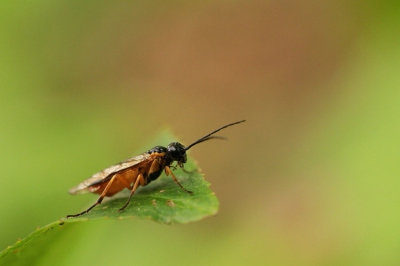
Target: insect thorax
(161,155)
(158,149)
(174,152)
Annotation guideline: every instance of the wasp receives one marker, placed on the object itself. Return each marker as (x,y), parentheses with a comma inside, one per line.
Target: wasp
(139,171)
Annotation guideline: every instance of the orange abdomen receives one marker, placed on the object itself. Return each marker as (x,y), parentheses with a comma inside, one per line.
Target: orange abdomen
(129,175)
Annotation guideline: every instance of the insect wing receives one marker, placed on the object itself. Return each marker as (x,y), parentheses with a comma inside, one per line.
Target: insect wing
(89,184)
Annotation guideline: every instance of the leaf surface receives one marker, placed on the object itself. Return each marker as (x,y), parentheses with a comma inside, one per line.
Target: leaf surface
(162,201)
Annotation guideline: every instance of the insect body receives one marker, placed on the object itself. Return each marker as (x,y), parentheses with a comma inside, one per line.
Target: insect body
(138,171)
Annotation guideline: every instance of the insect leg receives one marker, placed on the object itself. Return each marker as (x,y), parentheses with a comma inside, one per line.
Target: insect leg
(99,200)
(188,172)
(155,166)
(169,172)
(124,182)
(139,181)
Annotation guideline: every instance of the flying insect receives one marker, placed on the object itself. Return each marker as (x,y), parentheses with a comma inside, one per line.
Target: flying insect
(138,171)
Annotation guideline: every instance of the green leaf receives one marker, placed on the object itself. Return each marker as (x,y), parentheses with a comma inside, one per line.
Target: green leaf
(162,201)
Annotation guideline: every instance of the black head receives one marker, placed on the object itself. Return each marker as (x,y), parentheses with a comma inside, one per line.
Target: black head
(177,152)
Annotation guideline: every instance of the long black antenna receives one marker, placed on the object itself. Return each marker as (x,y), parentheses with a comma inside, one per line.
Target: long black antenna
(207,137)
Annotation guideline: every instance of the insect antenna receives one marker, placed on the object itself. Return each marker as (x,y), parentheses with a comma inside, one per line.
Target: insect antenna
(208,136)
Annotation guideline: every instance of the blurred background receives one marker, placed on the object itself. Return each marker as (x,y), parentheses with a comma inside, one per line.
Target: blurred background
(311,178)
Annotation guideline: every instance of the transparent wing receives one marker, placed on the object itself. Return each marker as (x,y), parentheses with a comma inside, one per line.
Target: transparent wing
(105,175)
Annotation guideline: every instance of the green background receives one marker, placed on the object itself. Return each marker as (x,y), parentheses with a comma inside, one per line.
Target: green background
(312,178)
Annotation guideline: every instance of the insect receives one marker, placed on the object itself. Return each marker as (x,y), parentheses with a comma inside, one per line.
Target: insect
(138,171)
